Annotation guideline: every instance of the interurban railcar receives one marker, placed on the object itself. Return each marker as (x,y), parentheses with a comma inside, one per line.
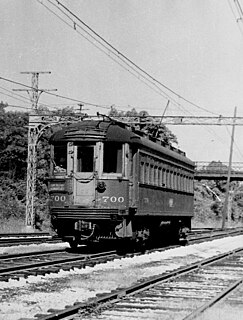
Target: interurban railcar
(110,181)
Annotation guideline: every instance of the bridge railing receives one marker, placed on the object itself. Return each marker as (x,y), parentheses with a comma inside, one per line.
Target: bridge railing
(218,167)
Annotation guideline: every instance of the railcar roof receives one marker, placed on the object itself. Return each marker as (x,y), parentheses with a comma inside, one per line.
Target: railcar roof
(113,131)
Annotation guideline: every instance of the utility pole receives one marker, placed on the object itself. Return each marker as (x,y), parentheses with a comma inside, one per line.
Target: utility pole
(34,92)
(33,136)
(225,208)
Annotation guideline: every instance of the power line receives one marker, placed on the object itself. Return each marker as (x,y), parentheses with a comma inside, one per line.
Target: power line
(239,17)
(128,68)
(238,6)
(118,54)
(129,60)
(132,67)
(35,91)
(21,107)
(235,144)
(50,93)
(53,94)
(12,95)
(8,95)
(16,94)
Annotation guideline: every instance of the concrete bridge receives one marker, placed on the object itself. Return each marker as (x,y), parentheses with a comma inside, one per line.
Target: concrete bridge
(217,170)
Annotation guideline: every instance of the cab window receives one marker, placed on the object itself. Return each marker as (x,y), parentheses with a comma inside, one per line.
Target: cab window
(112,157)
(85,159)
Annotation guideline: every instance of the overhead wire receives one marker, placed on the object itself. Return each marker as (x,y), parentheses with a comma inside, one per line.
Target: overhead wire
(13,94)
(131,63)
(102,50)
(71,26)
(117,54)
(16,94)
(239,21)
(51,93)
(240,12)
(234,142)
(166,96)
(21,107)
(8,95)
(140,69)
(28,108)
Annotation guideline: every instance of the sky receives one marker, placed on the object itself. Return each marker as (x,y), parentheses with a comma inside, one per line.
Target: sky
(194,48)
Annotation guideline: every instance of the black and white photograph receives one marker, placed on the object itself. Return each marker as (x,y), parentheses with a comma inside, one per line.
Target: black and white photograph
(121,159)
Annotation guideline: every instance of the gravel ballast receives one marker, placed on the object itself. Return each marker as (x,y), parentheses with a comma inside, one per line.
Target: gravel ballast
(36,294)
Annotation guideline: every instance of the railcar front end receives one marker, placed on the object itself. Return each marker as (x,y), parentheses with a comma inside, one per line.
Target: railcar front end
(89,185)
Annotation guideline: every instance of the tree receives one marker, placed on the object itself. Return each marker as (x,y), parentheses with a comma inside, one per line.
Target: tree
(153,129)
(13,142)
(13,153)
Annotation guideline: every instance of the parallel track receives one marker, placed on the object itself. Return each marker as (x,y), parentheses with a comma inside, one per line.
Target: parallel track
(20,265)
(52,262)
(133,299)
(183,294)
(12,239)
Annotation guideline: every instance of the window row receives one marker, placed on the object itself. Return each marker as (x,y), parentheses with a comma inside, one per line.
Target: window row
(84,158)
(165,177)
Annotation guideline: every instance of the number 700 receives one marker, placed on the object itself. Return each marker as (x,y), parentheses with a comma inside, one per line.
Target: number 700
(113,199)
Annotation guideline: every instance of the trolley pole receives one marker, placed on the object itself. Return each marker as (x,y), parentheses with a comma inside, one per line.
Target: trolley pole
(33,135)
(226,202)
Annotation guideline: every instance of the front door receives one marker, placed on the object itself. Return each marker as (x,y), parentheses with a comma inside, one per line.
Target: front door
(84,178)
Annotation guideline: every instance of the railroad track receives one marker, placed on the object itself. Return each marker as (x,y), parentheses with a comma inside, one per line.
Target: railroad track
(201,235)
(21,265)
(11,239)
(41,263)
(182,294)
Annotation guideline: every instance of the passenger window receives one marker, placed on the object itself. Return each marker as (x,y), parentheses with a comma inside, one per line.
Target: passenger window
(147,173)
(164,178)
(142,172)
(156,176)
(151,176)
(112,157)
(60,158)
(160,177)
(85,159)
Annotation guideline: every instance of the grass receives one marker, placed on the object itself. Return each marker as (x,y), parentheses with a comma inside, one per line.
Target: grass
(14,225)
(215,223)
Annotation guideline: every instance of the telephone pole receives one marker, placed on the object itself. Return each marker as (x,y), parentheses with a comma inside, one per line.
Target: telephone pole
(226,201)
(33,136)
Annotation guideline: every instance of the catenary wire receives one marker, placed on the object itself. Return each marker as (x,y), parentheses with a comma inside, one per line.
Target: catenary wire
(136,74)
(15,94)
(236,18)
(11,96)
(234,142)
(116,52)
(51,93)
(129,60)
